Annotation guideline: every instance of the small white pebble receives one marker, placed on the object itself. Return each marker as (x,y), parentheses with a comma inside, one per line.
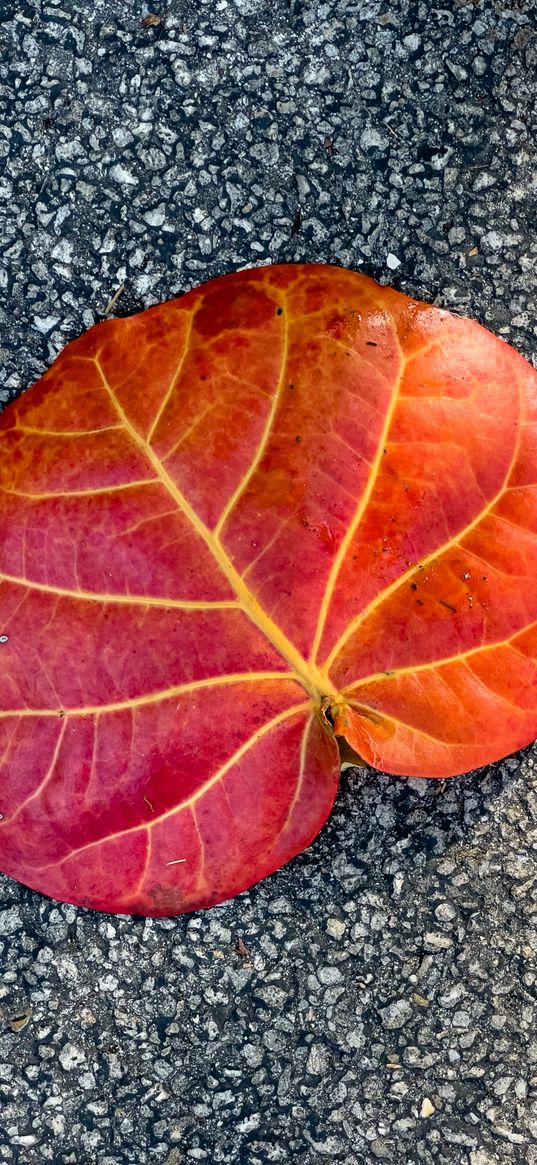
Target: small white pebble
(445,912)
(71,1057)
(45,324)
(156,217)
(427,1108)
(335,928)
(392,261)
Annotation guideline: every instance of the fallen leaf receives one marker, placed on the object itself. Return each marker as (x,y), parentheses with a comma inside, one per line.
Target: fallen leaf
(152,20)
(195,606)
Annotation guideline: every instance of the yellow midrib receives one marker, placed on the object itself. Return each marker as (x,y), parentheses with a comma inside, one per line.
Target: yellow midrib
(312,679)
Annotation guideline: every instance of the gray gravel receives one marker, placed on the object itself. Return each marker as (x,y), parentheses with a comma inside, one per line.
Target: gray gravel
(376,999)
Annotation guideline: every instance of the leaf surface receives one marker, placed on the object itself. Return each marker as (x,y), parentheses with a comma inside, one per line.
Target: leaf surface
(289,506)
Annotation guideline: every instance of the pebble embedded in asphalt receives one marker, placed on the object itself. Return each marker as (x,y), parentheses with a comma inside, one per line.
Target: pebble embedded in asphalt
(384,1005)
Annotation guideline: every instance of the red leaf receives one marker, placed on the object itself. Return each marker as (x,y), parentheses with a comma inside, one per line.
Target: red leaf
(289,500)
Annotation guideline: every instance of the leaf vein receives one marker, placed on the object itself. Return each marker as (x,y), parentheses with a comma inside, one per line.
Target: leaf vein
(267,430)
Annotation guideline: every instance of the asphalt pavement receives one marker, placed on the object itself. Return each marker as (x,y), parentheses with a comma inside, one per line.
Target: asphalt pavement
(376,999)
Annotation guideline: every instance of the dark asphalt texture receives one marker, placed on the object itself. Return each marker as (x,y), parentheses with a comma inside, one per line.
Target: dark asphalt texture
(376,999)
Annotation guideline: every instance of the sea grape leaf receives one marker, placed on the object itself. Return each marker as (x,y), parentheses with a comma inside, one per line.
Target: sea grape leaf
(288,509)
